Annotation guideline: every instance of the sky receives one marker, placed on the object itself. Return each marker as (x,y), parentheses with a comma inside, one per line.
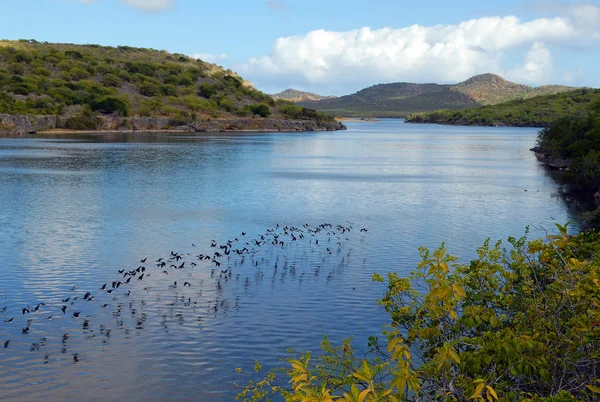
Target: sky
(335,47)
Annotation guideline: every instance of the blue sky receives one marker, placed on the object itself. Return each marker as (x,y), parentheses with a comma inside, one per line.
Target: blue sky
(334,46)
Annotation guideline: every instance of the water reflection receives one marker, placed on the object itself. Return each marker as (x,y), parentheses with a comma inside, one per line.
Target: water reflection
(75,210)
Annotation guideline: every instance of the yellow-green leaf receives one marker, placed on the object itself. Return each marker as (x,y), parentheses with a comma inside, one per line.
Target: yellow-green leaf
(492,392)
(593,388)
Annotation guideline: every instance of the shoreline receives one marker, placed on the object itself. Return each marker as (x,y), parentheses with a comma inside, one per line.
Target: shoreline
(18,125)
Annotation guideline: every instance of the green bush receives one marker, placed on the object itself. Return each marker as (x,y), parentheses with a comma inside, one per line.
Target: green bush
(149,89)
(16,68)
(515,324)
(111,80)
(260,109)
(206,90)
(110,105)
(85,120)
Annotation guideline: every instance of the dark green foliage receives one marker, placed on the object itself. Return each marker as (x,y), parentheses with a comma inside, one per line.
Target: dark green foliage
(576,138)
(260,109)
(110,105)
(206,90)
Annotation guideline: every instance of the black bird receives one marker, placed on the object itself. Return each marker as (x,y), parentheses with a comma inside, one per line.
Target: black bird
(217,263)
(141,277)
(193,245)
(9,321)
(144,260)
(25,310)
(214,243)
(187,283)
(64,309)
(38,306)
(76,314)
(159,260)
(243,233)
(87,296)
(121,271)
(364,230)
(103,287)
(224,272)
(6,344)
(26,330)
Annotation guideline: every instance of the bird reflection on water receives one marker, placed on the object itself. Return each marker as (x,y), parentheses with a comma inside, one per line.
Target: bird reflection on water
(175,290)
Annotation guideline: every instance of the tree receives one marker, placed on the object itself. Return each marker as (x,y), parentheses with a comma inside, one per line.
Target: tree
(260,109)
(206,90)
(109,105)
(514,324)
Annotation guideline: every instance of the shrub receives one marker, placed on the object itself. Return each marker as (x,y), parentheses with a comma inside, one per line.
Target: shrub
(84,120)
(260,109)
(111,80)
(149,89)
(109,105)
(16,68)
(206,90)
(78,73)
(227,105)
(517,324)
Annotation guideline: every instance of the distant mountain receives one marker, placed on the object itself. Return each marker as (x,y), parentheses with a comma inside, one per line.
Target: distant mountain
(400,99)
(537,111)
(294,95)
(490,89)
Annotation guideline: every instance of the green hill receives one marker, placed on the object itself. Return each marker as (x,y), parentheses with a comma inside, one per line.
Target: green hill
(82,83)
(294,95)
(539,111)
(490,89)
(401,99)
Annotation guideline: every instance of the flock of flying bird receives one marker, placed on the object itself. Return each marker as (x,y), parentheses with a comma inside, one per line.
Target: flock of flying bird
(219,260)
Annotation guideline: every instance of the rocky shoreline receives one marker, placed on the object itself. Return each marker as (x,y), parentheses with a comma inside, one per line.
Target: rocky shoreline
(15,125)
(550,161)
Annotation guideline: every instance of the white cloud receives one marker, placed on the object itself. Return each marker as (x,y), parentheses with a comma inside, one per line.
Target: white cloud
(537,67)
(211,58)
(440,53)
(149,5)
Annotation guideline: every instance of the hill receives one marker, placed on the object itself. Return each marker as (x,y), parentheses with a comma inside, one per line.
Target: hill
(539,111)
(294,95)
(94,87)
(401,99)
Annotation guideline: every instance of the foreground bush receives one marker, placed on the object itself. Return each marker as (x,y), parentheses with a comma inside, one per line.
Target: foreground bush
(518,324)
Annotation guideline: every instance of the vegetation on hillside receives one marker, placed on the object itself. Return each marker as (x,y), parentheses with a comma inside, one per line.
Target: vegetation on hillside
(401,99)
(521,323)
(83,81)
(577,139)
(294,95)
(491,89)
(539,111)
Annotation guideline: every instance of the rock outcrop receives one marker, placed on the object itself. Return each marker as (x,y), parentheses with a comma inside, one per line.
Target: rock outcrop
(550,161)
(19,125)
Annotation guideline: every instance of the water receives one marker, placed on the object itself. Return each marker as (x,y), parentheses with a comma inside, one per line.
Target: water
(76,209)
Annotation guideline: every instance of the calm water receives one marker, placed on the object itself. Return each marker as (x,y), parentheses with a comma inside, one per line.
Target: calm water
(75,210)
